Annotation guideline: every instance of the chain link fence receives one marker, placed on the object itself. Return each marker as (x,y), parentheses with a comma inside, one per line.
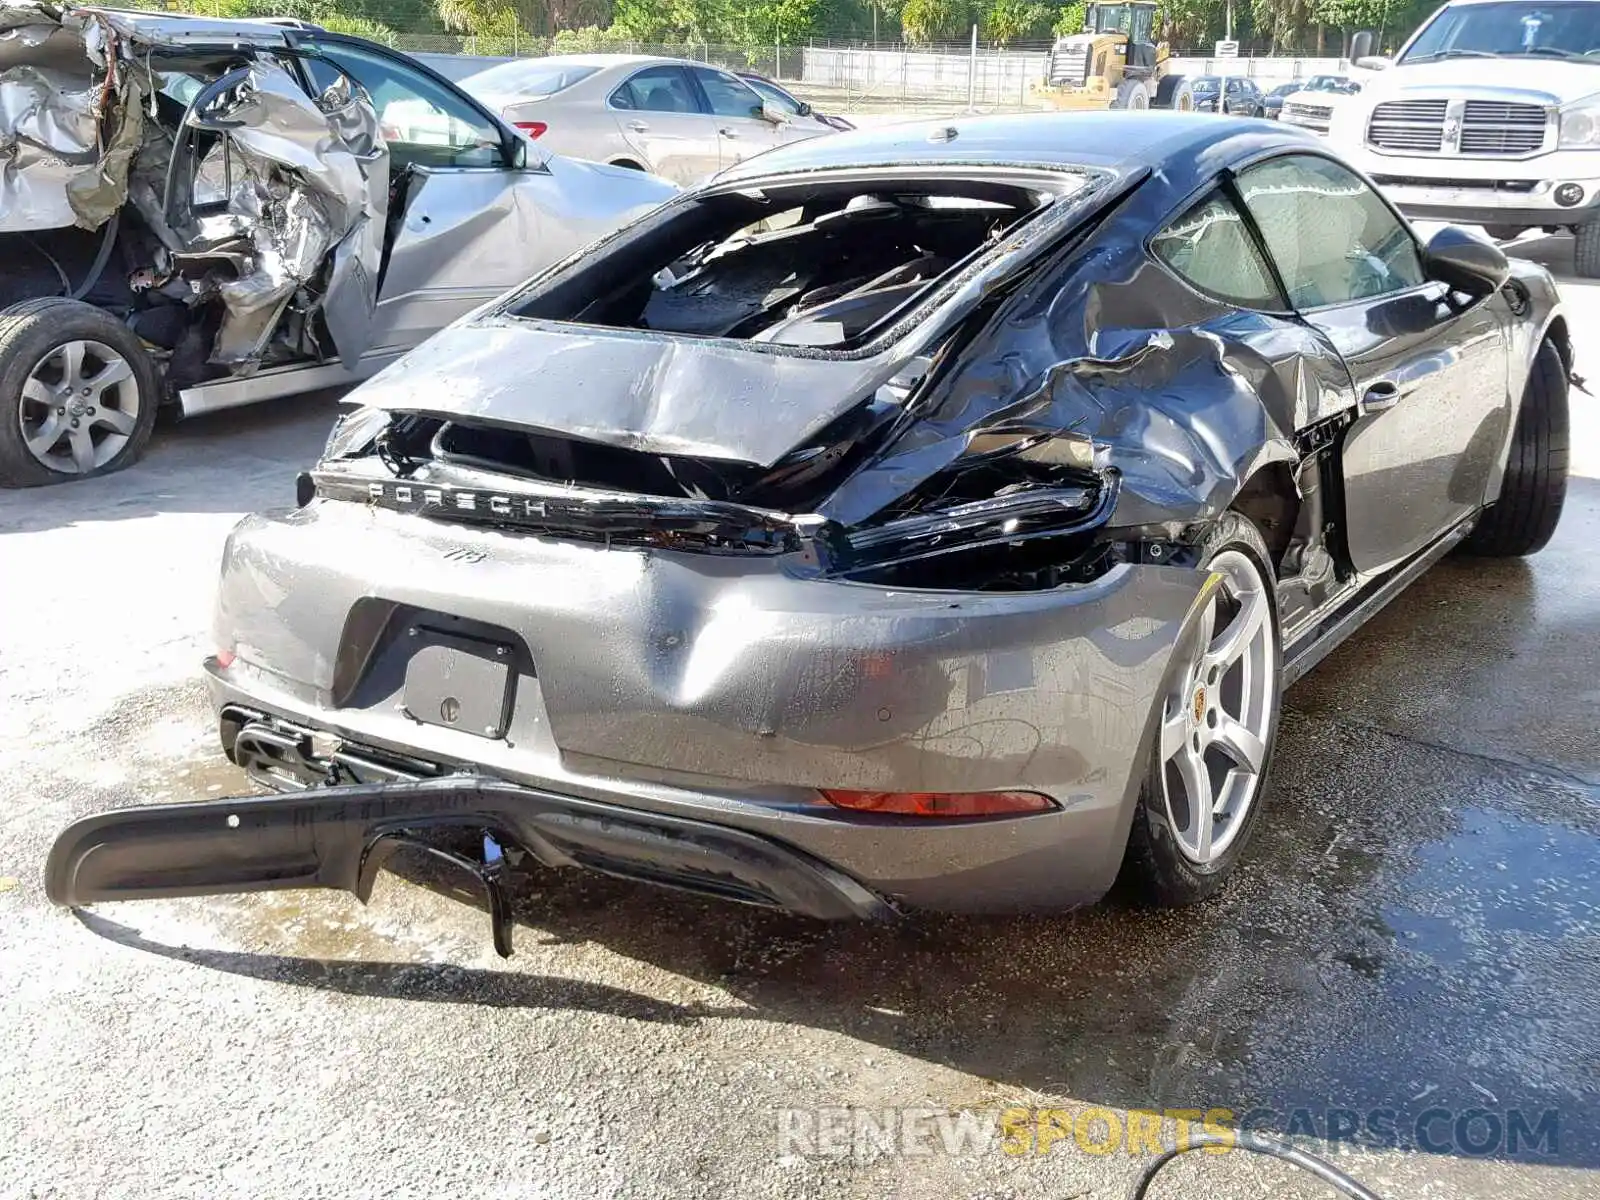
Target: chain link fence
(861,78)
(849,75)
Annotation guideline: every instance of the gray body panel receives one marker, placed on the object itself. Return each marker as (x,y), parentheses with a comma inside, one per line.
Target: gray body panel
(731,687)
(705,689)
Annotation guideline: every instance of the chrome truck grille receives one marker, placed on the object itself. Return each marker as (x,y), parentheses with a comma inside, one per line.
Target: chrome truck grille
(1317,116)
(1472,128)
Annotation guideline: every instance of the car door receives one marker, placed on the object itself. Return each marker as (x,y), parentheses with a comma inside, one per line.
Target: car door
(662,117)
(461,227)
(1428,369)
(742,129)
(1232,101)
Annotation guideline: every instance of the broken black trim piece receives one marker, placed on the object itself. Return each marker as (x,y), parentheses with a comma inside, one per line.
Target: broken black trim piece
(336,837)
(712,526)
(1008,519)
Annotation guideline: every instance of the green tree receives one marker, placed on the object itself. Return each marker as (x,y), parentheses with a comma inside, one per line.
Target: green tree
(1070,19)
(1185,23)
(1007,21)
(927,21)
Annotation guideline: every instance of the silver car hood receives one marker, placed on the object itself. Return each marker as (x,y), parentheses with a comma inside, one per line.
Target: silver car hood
(660,395)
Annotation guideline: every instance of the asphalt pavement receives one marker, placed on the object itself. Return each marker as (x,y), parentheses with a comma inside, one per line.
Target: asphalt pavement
(1412,946)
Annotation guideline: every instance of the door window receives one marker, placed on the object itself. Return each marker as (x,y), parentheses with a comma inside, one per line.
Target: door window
(775,97)
(423,121)
(658,89)
(1331,236)
(728,96)
(1211,247)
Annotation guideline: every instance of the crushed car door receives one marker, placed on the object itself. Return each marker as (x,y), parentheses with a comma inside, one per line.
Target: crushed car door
(460,228)
(1429,372)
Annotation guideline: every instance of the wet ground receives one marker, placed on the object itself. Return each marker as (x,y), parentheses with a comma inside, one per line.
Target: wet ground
(1411,951)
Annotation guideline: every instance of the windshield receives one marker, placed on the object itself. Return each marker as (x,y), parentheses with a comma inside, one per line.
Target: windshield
(1112,18)
(1510,28)
(529,77)
(1206,83)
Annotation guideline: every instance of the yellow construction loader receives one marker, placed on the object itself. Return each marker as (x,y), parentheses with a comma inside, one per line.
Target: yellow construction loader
(1114,63)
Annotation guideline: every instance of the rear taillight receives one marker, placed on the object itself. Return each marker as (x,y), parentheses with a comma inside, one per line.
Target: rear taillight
(532,128)
(940,804)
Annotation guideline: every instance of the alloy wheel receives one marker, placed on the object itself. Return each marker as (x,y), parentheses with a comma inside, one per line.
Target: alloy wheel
(79,406)
(1216,718)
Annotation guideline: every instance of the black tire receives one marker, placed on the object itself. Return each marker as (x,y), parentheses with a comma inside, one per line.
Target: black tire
(1174,92)
(1132,94)
(1587,253)
(1503,233)
(1154,871)
(1524,517)
(627,164)
(29,331)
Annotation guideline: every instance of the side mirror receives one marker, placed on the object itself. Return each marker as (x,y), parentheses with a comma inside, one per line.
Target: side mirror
(1362,44)
(805,108)
(771,112)
(1467,262)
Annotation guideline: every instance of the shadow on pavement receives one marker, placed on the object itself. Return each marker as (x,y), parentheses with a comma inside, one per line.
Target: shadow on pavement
(239,460)
(1412,939)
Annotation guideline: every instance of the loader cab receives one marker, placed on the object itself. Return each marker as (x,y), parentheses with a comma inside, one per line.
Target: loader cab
(1135,21)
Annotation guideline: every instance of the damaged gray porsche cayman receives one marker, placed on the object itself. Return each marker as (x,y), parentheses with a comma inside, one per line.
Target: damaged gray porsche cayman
(916,518)
(205,213)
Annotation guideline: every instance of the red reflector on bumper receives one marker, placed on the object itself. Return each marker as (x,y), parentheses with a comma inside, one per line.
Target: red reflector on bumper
(532,128)
(940,804)
(224,659)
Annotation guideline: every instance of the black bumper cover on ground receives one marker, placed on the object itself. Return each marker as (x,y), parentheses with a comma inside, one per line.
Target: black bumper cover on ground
(338,837)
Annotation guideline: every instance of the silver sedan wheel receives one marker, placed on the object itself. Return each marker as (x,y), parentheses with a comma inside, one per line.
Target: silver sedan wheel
(79,407)
(1215,720)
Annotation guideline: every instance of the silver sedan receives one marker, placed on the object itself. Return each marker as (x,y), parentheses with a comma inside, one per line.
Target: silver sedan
(679,119)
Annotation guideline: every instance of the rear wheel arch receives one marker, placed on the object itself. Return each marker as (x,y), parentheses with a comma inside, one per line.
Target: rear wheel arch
(1271,499)
(1524,515)
(1557,334)
(1155,869)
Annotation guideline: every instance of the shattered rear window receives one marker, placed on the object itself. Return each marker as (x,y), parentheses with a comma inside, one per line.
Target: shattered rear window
(809,267)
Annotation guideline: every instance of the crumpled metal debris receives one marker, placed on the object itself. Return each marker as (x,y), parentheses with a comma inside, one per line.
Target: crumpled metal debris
(51,91)
(310,193)
(317,178)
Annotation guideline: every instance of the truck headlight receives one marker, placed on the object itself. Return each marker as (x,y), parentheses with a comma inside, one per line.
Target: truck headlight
(1580,127)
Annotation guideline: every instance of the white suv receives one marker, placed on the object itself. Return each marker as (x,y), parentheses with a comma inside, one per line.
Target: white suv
(1489,115)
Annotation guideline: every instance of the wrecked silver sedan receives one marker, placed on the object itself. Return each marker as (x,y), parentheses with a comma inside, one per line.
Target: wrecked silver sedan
(209,213)
(905,519)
